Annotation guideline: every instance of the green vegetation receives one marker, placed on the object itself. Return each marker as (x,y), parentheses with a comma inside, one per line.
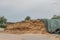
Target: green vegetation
(3,22)
(56,17)
(27,18)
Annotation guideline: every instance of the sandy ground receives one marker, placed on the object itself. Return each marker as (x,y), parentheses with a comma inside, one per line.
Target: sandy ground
(5,36)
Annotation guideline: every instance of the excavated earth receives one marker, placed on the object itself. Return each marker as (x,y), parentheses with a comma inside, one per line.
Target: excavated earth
(27,26)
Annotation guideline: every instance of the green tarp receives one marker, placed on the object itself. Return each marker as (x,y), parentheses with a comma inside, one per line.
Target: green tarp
(52,24)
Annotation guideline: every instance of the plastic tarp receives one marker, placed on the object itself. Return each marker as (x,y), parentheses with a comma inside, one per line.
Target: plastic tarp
(52,24)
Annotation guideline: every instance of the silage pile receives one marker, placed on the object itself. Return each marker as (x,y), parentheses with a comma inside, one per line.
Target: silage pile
(27,26)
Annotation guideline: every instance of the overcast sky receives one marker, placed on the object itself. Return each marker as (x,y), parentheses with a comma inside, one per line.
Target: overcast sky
(16,10)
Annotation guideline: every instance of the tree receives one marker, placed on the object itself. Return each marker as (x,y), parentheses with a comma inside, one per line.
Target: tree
(27,18)
(3,22)
(56,17)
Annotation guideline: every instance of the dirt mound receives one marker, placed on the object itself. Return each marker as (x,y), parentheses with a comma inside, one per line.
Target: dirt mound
(27,26)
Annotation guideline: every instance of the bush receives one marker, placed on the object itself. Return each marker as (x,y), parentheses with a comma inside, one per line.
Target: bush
(3,22)
(56,17)
(27,18)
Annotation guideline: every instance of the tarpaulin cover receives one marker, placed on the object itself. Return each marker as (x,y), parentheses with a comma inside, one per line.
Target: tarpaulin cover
(52,24)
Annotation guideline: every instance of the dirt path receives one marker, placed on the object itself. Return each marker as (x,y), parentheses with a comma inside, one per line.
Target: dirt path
(4,36)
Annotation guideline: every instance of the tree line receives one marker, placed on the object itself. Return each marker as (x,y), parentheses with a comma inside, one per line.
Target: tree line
(3,20)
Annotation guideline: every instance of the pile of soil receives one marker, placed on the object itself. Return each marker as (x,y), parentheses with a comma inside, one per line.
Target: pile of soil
(27,26)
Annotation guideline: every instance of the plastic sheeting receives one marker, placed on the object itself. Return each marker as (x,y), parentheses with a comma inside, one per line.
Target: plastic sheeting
(52,24)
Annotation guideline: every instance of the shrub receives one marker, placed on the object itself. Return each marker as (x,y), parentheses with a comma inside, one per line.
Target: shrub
(56,17)
(27,18)
(3,22)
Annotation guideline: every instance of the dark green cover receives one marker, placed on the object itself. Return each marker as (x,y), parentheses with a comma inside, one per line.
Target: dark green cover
(52,24)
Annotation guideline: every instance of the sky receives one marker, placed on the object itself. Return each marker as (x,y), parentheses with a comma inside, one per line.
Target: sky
(17,10)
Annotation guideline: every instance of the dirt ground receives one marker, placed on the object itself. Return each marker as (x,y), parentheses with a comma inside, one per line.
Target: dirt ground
(30,30)
(5,36)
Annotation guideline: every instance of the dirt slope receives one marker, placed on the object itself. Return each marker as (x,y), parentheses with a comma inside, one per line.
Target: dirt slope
(27,26)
